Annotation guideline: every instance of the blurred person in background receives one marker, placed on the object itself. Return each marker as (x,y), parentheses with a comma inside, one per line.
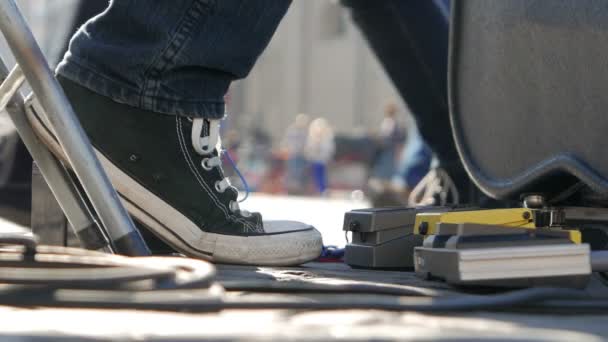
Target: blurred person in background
(296,178)
(257,161)
(391,136)
(413,163)
(390,141)
(319,151)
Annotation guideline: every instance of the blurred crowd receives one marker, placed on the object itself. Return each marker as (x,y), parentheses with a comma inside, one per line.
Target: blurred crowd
(384,164)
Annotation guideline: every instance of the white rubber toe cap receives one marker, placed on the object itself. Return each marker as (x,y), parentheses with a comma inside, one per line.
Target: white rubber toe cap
(299,244)
(283,226)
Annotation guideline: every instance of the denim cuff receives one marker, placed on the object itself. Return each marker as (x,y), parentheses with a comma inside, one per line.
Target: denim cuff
(120,92)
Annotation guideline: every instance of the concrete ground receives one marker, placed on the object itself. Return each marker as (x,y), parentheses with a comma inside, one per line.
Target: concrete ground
(325,213)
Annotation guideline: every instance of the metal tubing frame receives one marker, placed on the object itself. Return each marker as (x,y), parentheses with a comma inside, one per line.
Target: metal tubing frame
(120,228)
(65,192)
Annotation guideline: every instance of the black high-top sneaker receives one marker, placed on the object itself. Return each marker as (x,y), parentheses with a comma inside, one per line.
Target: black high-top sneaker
(168,173)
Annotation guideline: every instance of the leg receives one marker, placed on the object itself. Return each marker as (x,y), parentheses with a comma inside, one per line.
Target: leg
(318,171)
(410,38)
(174,58)
(147,80)
(323,178)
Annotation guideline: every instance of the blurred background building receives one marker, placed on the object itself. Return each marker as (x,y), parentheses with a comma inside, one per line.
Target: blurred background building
(317,63)
(50,20)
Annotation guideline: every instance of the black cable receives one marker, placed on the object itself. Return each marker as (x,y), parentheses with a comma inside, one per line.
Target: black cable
(62,267)
(344,288)
(66,277)
(204,301)
(507,300)
(603,276)
(569,192)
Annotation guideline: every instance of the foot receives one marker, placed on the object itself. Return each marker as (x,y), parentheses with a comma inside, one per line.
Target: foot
(167,171)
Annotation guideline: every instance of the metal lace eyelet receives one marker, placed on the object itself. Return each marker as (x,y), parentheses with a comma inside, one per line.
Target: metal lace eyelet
(233,207)
(205,164)
(218,187)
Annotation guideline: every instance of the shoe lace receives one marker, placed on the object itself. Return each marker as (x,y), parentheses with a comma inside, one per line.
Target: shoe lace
(436,188)
(206,140)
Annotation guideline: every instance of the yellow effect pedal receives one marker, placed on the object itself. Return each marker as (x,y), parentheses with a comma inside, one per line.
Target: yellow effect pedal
(427,223)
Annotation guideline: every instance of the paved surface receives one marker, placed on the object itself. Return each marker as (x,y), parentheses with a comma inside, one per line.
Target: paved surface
(42,324)
(273,325)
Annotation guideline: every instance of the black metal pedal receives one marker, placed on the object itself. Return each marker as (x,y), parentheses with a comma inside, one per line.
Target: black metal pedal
(383,238)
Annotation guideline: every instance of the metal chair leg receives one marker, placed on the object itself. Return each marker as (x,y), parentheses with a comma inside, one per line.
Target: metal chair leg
(120,228)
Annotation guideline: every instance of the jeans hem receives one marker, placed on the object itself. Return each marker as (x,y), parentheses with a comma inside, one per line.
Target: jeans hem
(119,92)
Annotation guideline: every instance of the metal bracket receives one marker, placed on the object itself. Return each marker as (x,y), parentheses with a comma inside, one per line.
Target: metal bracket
(49,223)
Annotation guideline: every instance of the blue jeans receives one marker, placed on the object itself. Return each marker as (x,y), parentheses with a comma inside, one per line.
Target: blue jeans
(175,57)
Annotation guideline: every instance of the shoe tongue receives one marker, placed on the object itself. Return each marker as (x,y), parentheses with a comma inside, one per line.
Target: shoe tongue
(205,130)
(205,135)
